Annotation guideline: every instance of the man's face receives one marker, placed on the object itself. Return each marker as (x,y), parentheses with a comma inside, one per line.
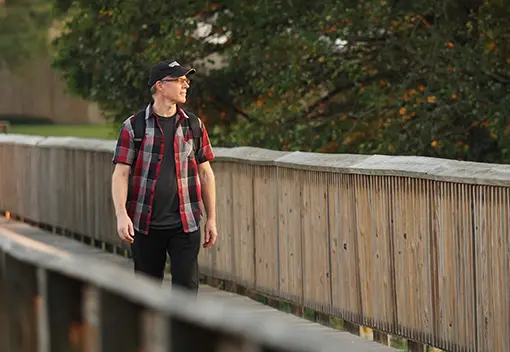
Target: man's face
(174,88)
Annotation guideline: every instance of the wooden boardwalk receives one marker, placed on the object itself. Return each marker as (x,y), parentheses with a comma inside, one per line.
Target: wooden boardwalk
(344,340)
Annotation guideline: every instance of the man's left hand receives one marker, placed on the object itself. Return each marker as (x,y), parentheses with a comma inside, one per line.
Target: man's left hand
(211,233)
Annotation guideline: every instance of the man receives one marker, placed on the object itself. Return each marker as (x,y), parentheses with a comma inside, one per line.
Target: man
(157,195)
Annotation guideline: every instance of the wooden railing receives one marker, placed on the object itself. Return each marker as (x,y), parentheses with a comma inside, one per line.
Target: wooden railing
(411,246)
(54,301)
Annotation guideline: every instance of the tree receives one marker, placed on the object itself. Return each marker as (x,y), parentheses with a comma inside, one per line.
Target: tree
(24,26)
(393,77)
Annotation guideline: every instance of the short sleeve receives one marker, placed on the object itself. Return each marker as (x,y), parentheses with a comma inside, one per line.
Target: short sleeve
(125,149)
(205,152)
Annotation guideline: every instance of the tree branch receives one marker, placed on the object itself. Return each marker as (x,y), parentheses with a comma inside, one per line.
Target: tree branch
(219,105)
(331,95)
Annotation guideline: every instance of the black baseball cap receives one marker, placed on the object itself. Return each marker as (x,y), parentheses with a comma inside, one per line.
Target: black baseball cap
(168,68)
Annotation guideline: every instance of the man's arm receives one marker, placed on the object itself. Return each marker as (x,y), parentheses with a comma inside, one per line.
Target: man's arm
(120,179)
(123,158)
(207,182)
(208,185)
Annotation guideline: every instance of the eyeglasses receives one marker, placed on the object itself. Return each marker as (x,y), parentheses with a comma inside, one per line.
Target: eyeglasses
(180,80)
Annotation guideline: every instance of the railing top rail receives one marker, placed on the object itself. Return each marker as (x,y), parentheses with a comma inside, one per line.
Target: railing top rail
(90,144)
(374,165)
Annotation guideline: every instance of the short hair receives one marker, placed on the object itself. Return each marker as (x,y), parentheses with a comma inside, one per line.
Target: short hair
(153,89)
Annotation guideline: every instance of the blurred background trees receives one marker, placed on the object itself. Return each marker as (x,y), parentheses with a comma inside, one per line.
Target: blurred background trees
(24,29)
(423,77)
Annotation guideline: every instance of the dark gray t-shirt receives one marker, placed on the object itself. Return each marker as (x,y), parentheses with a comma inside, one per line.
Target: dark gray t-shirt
(165,206)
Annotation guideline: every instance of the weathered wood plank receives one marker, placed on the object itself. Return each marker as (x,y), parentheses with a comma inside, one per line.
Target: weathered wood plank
(266,229)
(243,227)
(345,271)
(315,242)
(224,265)
(373,221)
(492,253)
(412,252)
(4,308)
(62,299)
(21,300)
(290,235)
(455,304)
(119,316)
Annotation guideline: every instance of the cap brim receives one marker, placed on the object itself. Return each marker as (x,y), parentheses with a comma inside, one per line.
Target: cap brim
(183,72)
(190,71)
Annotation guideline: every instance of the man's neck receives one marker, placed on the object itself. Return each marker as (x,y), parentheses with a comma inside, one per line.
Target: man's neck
(164,108)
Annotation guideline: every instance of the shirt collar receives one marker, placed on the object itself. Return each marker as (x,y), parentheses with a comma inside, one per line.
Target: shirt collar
(148,111)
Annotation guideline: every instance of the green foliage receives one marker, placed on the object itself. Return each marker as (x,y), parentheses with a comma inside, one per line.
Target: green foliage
(24,27)
(424,77)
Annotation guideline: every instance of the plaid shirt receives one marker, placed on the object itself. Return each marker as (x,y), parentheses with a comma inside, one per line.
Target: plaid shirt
(145,169)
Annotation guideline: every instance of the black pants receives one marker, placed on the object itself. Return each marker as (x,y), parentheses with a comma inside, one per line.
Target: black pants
(149,255)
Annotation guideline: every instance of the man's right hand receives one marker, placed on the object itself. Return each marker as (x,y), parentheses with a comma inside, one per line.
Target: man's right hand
(125,228)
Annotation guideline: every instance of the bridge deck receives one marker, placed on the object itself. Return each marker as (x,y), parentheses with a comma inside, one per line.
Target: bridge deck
(345,341)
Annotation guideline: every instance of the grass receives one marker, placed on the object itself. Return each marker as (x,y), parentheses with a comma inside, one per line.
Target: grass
(105,131)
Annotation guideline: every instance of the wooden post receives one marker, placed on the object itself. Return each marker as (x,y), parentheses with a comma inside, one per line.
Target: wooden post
(322,318)
(155,337)
(185,336)
(351,327)
(4,126)
(119,317)
(273,302)
(90,311)
(4,307)
(297,309)
(21,294)
(62,300)
(413,346)
(380,337)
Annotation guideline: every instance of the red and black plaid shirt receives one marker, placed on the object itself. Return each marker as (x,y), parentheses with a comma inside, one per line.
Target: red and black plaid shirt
(145,170)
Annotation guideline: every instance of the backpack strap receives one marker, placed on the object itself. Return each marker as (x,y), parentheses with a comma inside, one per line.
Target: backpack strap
(139,131)
(196,131)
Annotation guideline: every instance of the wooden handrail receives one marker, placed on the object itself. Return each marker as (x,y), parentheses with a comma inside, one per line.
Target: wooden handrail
(84,302)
